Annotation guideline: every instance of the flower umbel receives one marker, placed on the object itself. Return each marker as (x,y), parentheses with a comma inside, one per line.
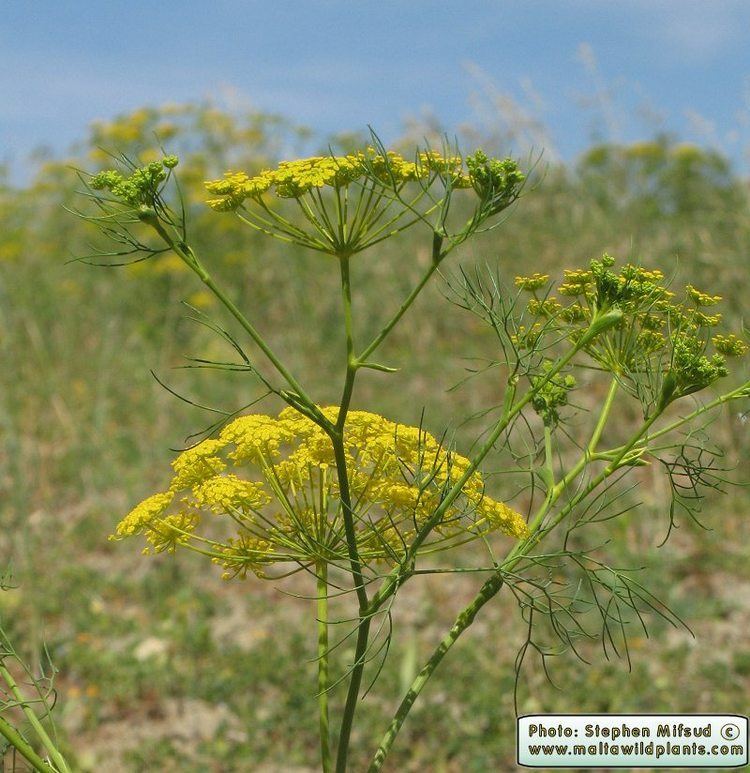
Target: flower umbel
(288,509)
(658,348)
(348,203)
(141,187)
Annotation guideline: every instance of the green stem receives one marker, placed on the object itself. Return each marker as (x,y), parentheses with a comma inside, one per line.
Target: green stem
(33,720)
(549,462)
(463,621)
(355,561)
(18,742)
(323,679)
(351,362)
(510,411)
(735,394)
(383,334)
(495,583)
(355,682)
(363,628)
(603,416)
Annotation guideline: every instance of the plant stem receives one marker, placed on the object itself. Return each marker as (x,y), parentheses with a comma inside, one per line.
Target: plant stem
(355,682)
(351,362)
(495,583)
(33,720)
(18,742)
(736,394)
(337,440)
(355,562)
(323,680)
(463,621)
(383,334)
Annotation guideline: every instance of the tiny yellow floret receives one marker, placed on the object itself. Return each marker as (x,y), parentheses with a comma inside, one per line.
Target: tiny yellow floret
(533,282)
(730,345)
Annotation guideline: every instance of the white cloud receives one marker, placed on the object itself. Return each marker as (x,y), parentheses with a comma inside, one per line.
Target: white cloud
(694,29)
(697,30)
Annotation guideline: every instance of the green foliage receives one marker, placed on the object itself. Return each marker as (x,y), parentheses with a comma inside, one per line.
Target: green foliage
(660,178)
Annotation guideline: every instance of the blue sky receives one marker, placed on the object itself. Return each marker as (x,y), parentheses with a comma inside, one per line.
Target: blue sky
(678,65)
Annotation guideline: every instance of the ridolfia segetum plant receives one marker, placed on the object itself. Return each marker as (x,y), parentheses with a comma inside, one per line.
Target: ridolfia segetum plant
(360,502)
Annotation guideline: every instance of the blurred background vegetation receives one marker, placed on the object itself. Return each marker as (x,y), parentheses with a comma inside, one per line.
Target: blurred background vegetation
(163,666)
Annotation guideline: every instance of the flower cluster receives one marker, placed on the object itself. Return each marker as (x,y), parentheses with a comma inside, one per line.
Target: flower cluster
(700,298)
(657,333)
(690,370)
(551,393)
(293,179)
(729,346)
(348,203)
(495,181)
(288,508)
(141,187)
(534,282)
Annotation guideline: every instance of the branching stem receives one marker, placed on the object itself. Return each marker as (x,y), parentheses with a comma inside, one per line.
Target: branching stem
(493,584)
(20,744)
(34,721)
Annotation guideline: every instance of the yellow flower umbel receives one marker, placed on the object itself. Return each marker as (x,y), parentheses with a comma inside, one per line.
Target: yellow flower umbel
(294,179)
(659,346)
(286,508)
(348,203)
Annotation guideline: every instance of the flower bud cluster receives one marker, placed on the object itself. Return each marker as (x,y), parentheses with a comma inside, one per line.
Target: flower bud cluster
(141,187)
(552,393)
(495,180)
(656,335)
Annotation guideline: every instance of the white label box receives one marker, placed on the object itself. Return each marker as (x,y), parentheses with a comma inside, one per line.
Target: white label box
(632,740)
